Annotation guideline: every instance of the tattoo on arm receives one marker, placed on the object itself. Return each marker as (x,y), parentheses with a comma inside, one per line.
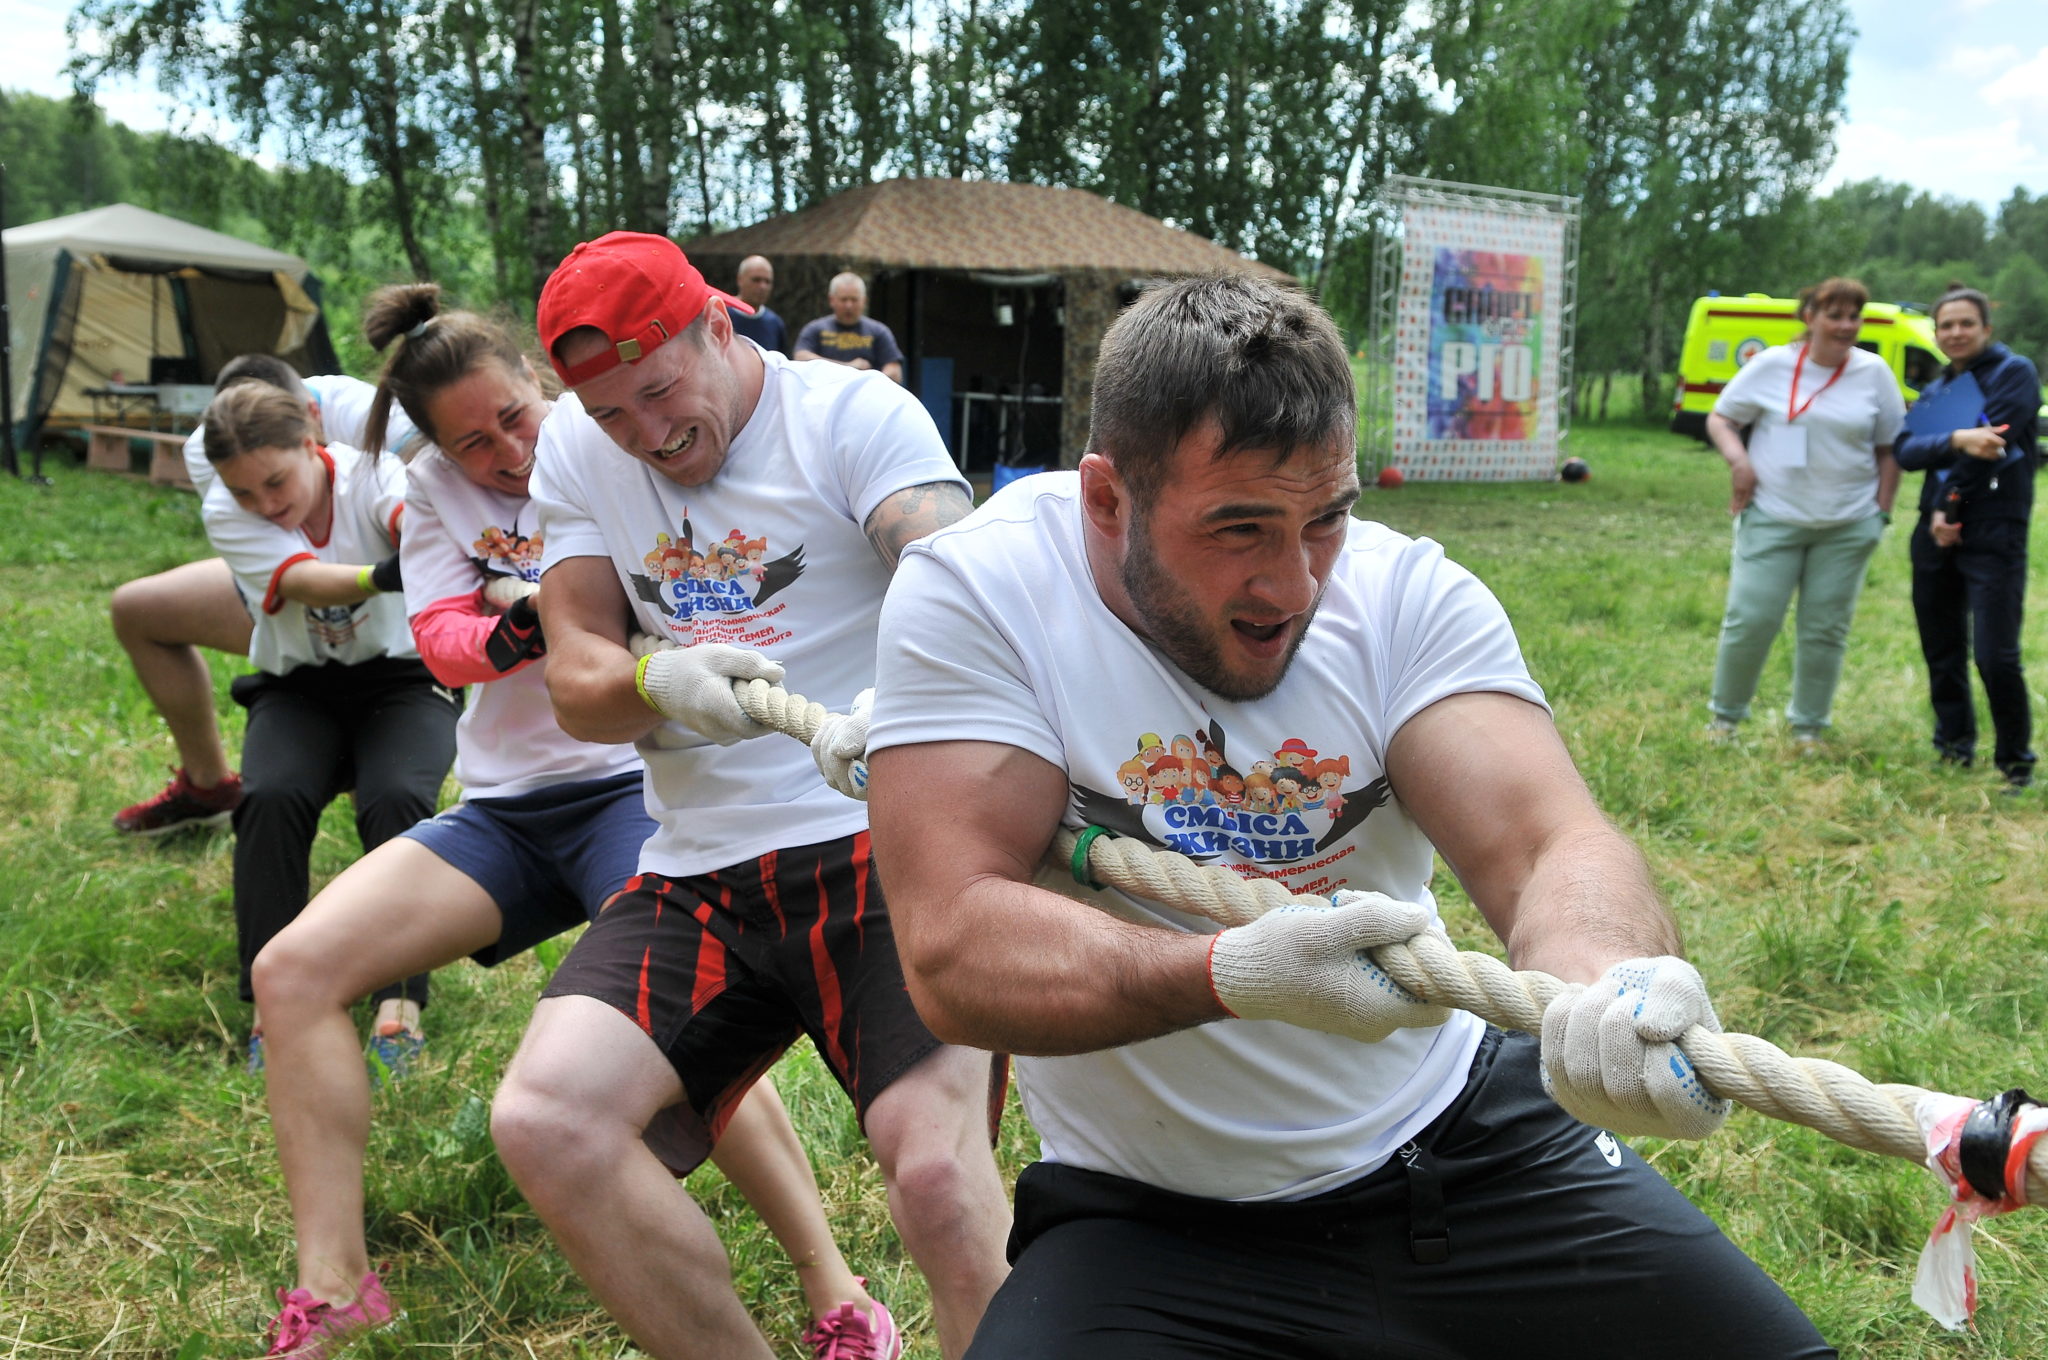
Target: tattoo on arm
(912,513)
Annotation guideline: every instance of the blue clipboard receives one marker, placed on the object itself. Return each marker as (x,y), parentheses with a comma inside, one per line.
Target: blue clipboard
(1959,405)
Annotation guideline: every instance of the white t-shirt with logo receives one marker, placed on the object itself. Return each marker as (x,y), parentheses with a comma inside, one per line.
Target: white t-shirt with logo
(769,555)
(994,632)
(368,497)
(1825,473)
(459,535)
(344,416)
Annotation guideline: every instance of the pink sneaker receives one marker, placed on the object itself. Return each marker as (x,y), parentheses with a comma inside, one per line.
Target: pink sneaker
(307,1329)
(848,1333)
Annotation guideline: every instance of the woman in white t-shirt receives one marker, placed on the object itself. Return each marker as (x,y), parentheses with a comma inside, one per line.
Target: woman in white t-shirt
(549,830)
(1812,492)
(339,699)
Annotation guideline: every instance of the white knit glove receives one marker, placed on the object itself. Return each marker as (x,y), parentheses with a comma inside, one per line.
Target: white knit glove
(647,644)
(501,592)
(1608,1058)
(841,745)
(693,685)
(1309,967)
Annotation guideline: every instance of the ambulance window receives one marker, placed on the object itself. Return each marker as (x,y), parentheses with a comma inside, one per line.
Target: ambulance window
(1921,366)
(1870,345)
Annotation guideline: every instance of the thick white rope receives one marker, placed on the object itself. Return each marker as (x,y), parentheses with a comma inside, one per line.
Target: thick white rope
(1835,1100)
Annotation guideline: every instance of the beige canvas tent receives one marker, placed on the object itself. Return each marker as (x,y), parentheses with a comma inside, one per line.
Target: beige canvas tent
(999,294)
(124,296)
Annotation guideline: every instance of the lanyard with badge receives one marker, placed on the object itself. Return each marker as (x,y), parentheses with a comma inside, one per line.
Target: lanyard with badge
(1783,447)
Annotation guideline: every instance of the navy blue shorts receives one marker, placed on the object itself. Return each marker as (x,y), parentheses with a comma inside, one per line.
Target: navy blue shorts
(550,859)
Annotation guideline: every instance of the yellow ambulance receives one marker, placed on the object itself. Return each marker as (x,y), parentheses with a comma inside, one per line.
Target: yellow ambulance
(1724,333)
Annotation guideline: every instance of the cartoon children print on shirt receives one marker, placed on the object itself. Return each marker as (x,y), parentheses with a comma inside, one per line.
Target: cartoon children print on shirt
(507,552)
(1183,793)
(730,576)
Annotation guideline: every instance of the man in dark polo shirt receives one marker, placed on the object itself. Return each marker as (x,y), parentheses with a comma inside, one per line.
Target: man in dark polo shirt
(847,336)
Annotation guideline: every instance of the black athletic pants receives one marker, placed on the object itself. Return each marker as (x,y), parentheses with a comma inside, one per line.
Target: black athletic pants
(383,728)
(1505,1229)
(1976,588)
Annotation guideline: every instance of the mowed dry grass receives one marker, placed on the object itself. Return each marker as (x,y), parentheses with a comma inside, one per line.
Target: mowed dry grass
(1862,905)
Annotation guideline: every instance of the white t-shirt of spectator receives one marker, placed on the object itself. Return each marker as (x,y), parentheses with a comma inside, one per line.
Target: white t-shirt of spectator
(368,498)
(344,416)
(459,535)
(1843,427)
(768,555)
(994,632)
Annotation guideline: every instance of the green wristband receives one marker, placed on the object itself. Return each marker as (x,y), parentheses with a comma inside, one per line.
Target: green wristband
(1079,868)
(640,682)
(364,583)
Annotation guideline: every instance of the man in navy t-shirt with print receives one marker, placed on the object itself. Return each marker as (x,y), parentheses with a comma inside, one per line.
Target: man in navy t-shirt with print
(849,337)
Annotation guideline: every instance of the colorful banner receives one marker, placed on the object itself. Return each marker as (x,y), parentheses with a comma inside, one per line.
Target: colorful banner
(1486,326)
(1476,344)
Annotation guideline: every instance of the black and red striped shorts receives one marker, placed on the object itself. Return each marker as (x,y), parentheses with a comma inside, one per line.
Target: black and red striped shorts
(725,970)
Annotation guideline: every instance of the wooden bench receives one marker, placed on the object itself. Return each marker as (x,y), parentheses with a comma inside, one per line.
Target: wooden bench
(107,449)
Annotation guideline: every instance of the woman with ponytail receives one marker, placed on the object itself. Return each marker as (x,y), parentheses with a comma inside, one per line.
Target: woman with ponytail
(548,830)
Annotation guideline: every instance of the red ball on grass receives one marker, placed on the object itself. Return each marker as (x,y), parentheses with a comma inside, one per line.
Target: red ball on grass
(1390,477)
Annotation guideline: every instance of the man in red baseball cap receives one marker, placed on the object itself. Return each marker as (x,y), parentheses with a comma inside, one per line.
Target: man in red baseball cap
(756,918)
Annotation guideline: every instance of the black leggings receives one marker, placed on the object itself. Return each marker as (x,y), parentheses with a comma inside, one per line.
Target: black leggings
(1505,1228)
(383,728)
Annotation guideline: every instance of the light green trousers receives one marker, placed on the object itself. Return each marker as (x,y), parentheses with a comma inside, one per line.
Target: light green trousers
(1772,560)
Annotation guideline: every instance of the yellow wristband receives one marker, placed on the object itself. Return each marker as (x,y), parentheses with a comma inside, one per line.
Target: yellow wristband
(364,583)
(640,682)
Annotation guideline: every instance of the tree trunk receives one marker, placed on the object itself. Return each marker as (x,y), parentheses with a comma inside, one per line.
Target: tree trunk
(386,143)
(774,139)
(657,198)
(1362,124)
(817,83)
(533,146)
(486,150)
(914,124)
(703,166)
(580,209)
(619,108)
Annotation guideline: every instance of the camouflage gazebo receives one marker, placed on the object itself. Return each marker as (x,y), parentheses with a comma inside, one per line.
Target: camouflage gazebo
(999,294)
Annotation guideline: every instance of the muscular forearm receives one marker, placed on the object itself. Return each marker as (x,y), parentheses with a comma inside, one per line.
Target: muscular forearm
(1040,974)
(590,681)
(1588,902)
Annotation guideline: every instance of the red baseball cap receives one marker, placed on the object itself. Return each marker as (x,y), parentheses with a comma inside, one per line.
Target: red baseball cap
(639,290)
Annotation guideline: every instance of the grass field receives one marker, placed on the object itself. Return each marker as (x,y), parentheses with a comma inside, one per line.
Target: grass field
(1862,905)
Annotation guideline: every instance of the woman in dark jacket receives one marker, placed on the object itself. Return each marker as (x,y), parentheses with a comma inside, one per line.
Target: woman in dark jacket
(1969,549)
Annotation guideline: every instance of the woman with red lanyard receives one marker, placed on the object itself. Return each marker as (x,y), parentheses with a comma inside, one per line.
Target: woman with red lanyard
(1807,431)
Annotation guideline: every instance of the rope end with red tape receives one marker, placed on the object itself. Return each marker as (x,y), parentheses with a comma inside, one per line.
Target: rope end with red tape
(1978,1150)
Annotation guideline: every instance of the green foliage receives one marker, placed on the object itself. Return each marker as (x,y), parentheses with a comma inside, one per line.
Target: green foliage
(473,141)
